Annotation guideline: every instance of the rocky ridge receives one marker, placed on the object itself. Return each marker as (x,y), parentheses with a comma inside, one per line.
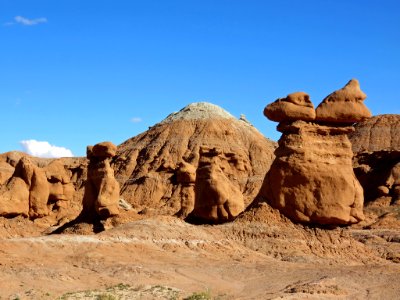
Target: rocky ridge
(150,169)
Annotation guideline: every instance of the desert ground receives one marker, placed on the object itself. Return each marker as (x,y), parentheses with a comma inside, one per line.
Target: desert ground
(262,255)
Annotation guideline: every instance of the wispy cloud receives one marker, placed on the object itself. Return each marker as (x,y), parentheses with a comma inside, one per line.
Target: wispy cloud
(136,120)
(44,149)
(26,21)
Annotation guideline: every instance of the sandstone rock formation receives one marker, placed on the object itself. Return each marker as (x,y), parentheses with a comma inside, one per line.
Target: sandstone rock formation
(376,143)
(311,179)
(344,105)
(61,189)
(101,188)
(186,178)
(217,199)
(26,192)
(296,106)
(378,133)
(157,169)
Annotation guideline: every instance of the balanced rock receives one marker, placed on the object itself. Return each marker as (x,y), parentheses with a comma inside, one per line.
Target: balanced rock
(296,106)
(344,105)
(101,189)
(311,179)
(217,200)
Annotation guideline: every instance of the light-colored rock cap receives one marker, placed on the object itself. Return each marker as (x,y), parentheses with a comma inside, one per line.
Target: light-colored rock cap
(198,111)
(296,106)
(344,105)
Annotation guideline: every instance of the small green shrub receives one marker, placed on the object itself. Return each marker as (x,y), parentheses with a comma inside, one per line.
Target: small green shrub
(205,295)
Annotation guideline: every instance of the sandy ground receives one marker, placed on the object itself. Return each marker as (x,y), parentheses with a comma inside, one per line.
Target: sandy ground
(166,258)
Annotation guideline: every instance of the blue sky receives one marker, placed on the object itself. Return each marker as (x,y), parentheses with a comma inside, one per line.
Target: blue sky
(74,73)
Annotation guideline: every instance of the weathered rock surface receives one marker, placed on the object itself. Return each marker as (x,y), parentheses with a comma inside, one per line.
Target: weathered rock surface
(344,105)
(311,179)
(186,179)
(26,192)
(378,173)
(101,189)
(296,106)
(217,199)
(61,189)
(153,167)
(378,133)
(376,143)
(53,189)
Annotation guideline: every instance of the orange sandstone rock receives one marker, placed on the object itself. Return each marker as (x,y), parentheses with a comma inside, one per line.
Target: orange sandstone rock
(296,106)
(311,179)
(344,105)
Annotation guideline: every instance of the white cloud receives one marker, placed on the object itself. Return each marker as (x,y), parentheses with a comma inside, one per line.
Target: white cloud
(44,149)
(136,120)
(29,22)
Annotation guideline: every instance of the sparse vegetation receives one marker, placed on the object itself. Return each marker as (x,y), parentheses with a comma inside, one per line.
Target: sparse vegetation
(204,295)
(125,291)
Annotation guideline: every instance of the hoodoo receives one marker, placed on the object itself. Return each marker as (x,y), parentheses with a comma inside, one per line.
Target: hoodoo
(311,179)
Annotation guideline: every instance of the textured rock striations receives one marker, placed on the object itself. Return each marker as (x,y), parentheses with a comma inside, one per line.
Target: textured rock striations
(217,199)
(376,143)
(158,169)
(344,105)
(296,106)
(26,192)
(311,179)
(34,187)
(378,133)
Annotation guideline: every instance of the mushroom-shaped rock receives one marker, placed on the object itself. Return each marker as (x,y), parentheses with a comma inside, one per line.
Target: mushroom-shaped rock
(104,150)
(296,106)
(344,105)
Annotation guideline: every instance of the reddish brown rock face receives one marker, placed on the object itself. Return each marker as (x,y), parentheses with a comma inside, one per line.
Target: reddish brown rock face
(26,192)
(376,143)
(216,199)
(101,189)
(61,189)
(311,179)
(296,106)
(344,105)
(157,169)
(378,133)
